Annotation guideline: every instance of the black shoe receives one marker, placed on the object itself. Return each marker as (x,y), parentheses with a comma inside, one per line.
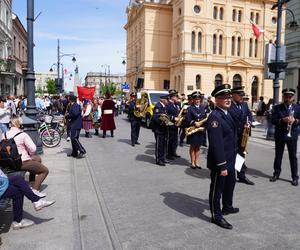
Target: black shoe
(198,167)
(295,182)
(160,163)
(231,210)
(80,156)
(193,167)
(103,136)
(222,223)
(132,144)
(137,143)
(96,133)
(246,181)
(166,161)
(170,157)
(71,155)
(274,178)
(176,156)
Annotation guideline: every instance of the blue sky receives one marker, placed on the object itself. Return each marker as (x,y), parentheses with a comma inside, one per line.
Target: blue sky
(92,29)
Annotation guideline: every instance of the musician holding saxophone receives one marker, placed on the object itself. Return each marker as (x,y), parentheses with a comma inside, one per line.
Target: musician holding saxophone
(242,118)
(195,118)
(173,110)
(285,117)
(135,122)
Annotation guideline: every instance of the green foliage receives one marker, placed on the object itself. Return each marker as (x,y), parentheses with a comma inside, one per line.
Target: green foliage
(111,88)
(39,91)
(51,87)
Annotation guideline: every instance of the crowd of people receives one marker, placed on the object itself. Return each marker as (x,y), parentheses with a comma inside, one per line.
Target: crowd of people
(226,124)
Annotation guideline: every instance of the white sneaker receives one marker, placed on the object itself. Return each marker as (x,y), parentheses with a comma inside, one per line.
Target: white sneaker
(38,193)
(68,139)
(38,205)
(22,224)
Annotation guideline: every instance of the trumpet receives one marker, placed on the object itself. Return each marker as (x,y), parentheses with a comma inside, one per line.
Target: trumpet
(290,125)
(193,129)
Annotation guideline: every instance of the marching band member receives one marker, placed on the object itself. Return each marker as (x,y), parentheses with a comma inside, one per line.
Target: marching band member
(195,114)
(242,117)
(185,105)
(160,129)
(286,117)
(173,110)
(135,122)
(221,157)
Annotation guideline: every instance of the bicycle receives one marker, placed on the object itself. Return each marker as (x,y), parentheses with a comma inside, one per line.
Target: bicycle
(50,137)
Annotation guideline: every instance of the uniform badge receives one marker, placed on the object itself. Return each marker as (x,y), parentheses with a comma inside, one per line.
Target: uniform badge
(156,110)
(214,124)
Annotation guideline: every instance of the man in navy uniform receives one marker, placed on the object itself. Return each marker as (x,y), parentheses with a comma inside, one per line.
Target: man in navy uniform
(285,117)
(160,129)
(242,117)
(173,110)
(185,106)
(135,122)
(221,156)
(75,123)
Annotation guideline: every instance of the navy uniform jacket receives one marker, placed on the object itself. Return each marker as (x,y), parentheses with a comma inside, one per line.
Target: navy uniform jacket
(75,119)
(131,108)
(157,124)
(195,114)
(239,116)
(280,111)
(222,139)
(173,110)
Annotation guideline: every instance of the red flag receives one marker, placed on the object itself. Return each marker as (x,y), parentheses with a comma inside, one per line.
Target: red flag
(256,30)
(85,92)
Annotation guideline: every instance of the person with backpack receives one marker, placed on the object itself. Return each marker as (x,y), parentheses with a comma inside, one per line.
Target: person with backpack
(15,188)
(26,148)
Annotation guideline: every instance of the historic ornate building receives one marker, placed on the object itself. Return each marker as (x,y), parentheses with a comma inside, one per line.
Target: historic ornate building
(193,45)
(293,48)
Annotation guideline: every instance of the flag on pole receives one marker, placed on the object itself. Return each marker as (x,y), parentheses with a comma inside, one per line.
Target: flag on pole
(85,92)
(256,30)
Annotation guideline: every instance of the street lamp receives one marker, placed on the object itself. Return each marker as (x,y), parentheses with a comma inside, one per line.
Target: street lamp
(136,68)
(60,55)
(106,66)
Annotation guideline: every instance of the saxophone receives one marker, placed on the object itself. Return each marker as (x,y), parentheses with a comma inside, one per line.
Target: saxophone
(193,129)
(180,118)
(245,137)
(290,125)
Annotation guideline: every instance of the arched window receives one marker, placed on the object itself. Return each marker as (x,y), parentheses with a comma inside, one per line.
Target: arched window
(215,44)
(237,81)
(215,14)
(252,16)
(234,15)
(254,89)
(240,16)
(257,18)
(220,44)
(193,41)
(199,42)
(239,46)
(233,46)
(250,47)
(198,81)
(255,48)
(218,80)
(221,13)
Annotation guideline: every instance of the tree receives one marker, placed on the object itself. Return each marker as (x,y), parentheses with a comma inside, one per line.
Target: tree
(111,88)
(51,86)
(39,91)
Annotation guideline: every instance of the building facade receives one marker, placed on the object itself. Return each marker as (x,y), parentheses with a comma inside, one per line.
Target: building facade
(7,64)
(19,55)
(191,45)
(293,49)
(41,79)
(97,79)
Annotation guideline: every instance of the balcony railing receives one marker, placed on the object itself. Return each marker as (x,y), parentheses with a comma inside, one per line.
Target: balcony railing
(7,65)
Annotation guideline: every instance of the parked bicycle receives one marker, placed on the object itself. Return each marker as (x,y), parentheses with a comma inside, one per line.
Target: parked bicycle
(50,137)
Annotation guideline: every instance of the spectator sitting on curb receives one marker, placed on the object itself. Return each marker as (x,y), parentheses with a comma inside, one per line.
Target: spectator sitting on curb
(26,147)
(16,188)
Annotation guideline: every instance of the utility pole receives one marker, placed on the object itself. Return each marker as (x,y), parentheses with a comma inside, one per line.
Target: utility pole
(58,65)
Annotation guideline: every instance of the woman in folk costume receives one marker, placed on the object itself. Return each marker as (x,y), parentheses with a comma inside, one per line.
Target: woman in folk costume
(96,115)
(87,117)
(107,120)
(195,114)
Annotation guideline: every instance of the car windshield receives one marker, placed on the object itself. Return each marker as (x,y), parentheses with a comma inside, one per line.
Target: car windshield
(156,96)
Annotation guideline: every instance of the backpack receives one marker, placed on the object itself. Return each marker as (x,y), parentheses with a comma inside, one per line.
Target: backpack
(10,159)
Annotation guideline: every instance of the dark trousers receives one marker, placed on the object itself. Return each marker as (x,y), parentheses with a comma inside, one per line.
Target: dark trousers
(242,173)
(220,186)
(17,189)
(135,130)
(160,146)
(172,140)
(76,145)
(292,150)
(182,134)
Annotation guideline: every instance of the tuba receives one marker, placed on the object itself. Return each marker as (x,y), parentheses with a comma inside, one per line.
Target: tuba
(165,119)
(141,106)
(193,129)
